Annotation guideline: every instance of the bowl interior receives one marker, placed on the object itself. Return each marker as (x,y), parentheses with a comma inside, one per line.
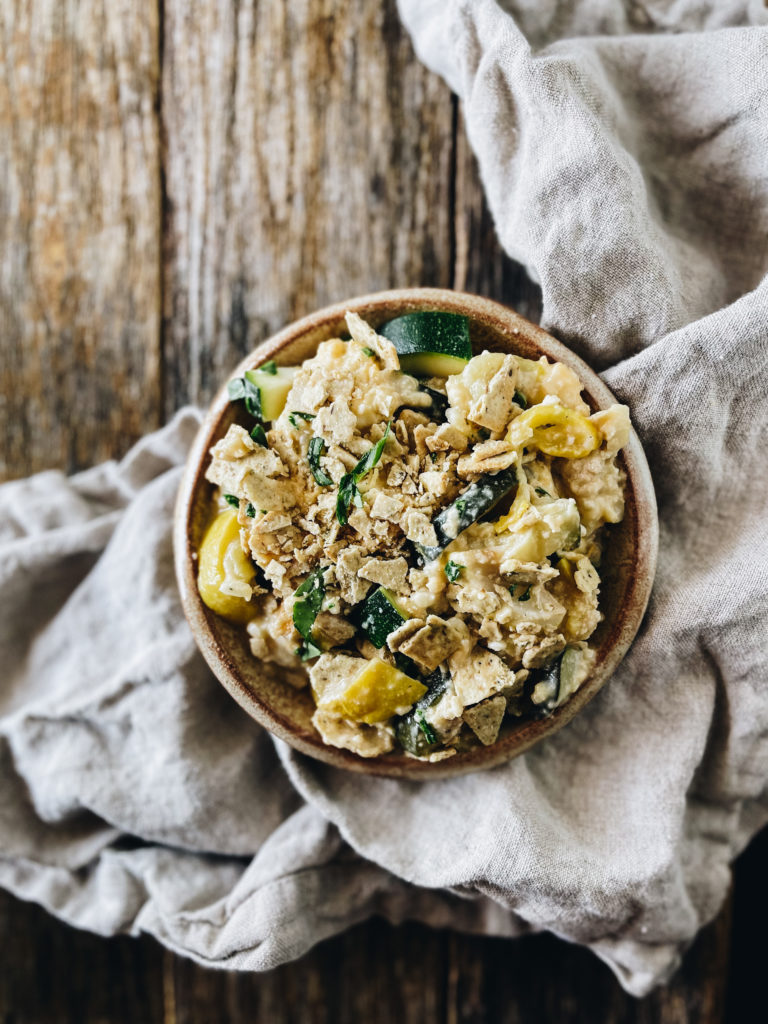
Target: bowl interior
(626,572)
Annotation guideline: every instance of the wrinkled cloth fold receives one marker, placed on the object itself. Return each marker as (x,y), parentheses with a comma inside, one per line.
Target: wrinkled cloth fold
(624,153)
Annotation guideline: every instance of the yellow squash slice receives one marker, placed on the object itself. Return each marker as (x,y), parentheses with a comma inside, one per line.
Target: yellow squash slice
(554,430)
(221,558)
(377,693)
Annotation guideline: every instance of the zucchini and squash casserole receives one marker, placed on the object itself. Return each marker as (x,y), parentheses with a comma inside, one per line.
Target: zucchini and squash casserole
(415,532)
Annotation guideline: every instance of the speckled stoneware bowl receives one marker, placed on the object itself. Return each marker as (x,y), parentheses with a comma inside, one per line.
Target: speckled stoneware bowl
(627,570)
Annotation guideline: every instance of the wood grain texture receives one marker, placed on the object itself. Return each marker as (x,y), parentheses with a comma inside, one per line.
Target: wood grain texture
(309,158)
(374,973)
(79,230)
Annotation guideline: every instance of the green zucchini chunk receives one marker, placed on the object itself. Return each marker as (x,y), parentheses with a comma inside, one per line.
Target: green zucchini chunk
(273,386)
(380,615)
(432,344)
(559,679)
(470,505)
(412,730)
(436,411)
(439,406)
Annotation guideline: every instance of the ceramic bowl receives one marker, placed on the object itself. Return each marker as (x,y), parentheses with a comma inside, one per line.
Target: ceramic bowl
(627,570)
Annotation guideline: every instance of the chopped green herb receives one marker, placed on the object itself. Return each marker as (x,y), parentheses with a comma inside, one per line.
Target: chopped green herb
(306,608)
(308,649)
(371,457)
(521,400)
(433,456)
(426,728)
(242,388)
(269,367)
(542,493)
(308,416)
(453,571)
(250,511)
(348,490)
(527,595)
(368,351)
(461,505)
(315,450)
(259,436)
(233,500)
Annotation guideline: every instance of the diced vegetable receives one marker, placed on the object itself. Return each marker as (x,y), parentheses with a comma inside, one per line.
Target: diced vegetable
(554,430)
(432,364)
(376,694)
(273,386)
(409,666)
(380,616)
(430,344)
(436,411)
(221,557)
(439,405)
(560,680)
(470,505)
(412,730)
(554,526)
(240,388)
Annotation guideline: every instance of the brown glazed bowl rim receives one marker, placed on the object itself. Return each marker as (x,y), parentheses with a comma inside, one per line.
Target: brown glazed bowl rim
(218,643)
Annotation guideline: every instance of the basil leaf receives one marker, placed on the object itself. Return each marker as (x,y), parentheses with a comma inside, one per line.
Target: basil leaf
(233,500)
(308,649)
(368,351)
(371,458)
(310,596)
(269,367)
(259,436)
(521,400)
(315,450)
(527,595)
(250,511)
(426,728)
(308,416)
(348,490)
(242,388)
(453,571)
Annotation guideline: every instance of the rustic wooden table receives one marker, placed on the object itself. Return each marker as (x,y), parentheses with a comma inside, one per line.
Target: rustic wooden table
(176,182)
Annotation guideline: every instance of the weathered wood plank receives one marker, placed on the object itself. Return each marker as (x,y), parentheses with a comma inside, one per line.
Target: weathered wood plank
(79,230)
(309,158)
(373,973)
(52,974)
